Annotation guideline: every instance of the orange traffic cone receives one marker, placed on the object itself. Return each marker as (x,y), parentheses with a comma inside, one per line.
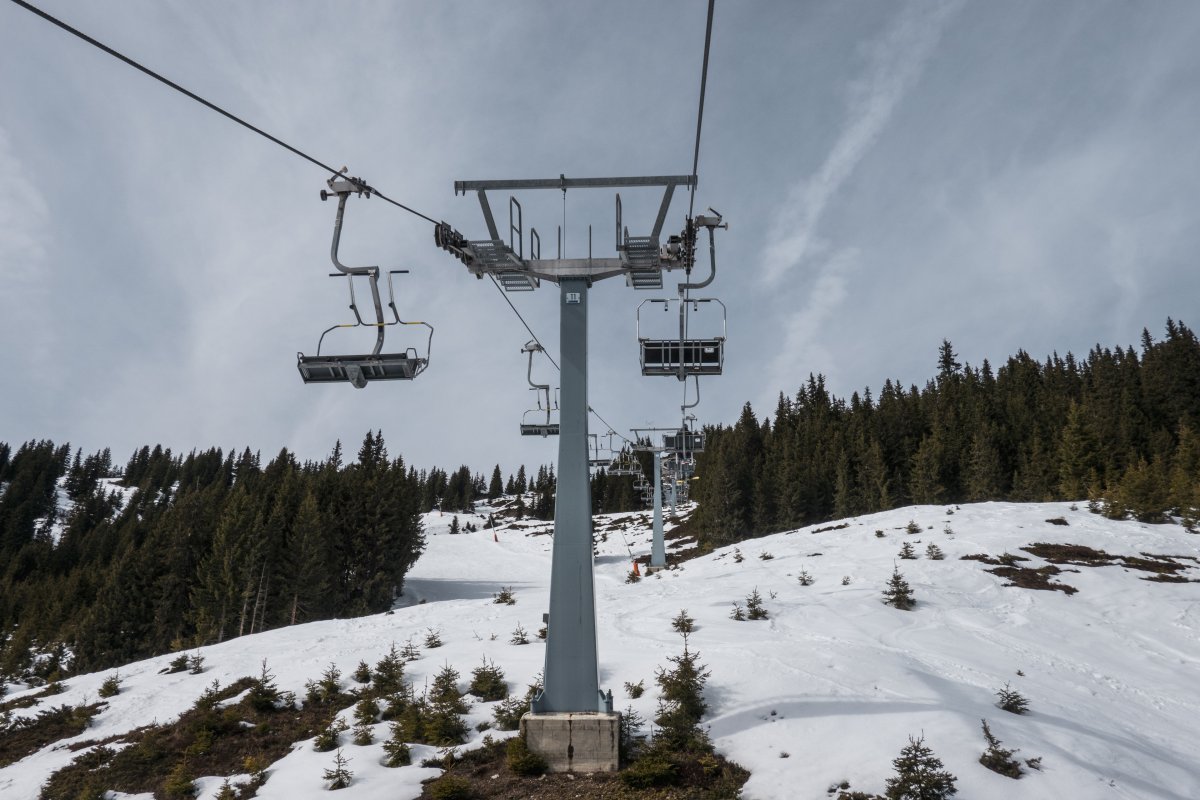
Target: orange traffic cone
(636,571)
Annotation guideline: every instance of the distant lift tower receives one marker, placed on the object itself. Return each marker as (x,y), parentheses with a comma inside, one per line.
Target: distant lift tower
(571,674)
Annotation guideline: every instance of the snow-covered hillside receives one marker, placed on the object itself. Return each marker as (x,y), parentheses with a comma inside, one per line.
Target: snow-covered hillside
(828,689)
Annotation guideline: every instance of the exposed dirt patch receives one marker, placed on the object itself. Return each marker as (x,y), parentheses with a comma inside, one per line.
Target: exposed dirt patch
(1084,556)
(831,528)
(1003,560)
(1029,578)
(489,778)
(1058,521)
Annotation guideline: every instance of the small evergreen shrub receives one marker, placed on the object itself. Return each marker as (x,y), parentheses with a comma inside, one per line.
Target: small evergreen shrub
(508,713)
(330,736)
(880,534)
(397,750)
(630,737)
(521,760)
(682,623)
(263,693)
(433,638)
(445,690)
(1011,700)
(487,682)
(180,782)
(912,527)
(410,652)
(340,776)
(505,596)
(765,556)
(450,787)
(362,673)
(737,556)
(997,758)
(111,686)
(389,674)
(898,594)
(804,578)
(650,771)
(919,775)
(634,690)
(366,711)
(934,553)
(907,551)
(519,635)
(363,734)
(754,606)
(196,664)
(845,580)
(178,664)
(632,576)
(738,613)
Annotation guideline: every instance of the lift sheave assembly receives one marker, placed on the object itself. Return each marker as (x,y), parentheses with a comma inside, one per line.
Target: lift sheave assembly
(359,370)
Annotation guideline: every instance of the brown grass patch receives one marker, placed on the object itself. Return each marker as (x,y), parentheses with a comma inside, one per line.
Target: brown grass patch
(207,740)
(26,736)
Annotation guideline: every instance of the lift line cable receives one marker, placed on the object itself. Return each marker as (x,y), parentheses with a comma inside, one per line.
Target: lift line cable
(233,117)
(700,112)
(695,167)
(504,294)
(212,106)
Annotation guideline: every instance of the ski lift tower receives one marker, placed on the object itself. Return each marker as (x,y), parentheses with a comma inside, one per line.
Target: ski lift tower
(658,549)
(571,722)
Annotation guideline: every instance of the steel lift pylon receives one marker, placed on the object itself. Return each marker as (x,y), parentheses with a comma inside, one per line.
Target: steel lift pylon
(571,679)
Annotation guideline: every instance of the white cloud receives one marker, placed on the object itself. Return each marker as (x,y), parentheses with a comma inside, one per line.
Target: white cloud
(806,341)
(896,60)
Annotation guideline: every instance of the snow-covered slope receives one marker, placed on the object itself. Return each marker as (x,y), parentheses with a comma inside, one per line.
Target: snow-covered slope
(835,679)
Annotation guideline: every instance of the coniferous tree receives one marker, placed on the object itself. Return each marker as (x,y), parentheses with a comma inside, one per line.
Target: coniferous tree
(920,775)
(495,487)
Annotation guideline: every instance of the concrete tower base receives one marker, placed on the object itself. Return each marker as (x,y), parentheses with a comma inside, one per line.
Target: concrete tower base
(574,742)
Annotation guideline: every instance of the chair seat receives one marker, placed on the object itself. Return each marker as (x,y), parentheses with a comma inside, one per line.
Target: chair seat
(352,368)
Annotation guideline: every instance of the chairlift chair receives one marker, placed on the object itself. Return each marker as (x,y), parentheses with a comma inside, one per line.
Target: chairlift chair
(538,427)
(683,356)
(358,370)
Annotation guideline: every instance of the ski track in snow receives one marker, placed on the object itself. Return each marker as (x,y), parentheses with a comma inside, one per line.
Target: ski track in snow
(834,678)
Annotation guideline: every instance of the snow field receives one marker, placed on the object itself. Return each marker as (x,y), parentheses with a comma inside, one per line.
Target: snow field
(834,678)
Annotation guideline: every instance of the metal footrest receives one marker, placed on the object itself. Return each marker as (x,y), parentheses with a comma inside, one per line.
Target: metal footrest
(517,281)
(359,370)
(539,430)
(494,254)
(644,279)
(641,251)
(696,356)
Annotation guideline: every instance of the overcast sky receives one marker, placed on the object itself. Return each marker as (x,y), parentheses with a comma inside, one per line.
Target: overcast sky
(1002,175)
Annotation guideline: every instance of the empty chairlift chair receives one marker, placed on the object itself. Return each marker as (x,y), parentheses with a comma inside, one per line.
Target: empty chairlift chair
(682,357)
(358,370)
(537,426)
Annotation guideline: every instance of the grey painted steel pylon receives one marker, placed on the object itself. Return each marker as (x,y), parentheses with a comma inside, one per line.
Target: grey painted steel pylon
(572,680)
(658,550)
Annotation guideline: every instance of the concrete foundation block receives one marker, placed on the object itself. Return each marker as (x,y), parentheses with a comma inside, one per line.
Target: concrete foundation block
(574,741)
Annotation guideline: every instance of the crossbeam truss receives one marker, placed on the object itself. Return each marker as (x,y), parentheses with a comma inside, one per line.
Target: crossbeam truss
(641,259)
